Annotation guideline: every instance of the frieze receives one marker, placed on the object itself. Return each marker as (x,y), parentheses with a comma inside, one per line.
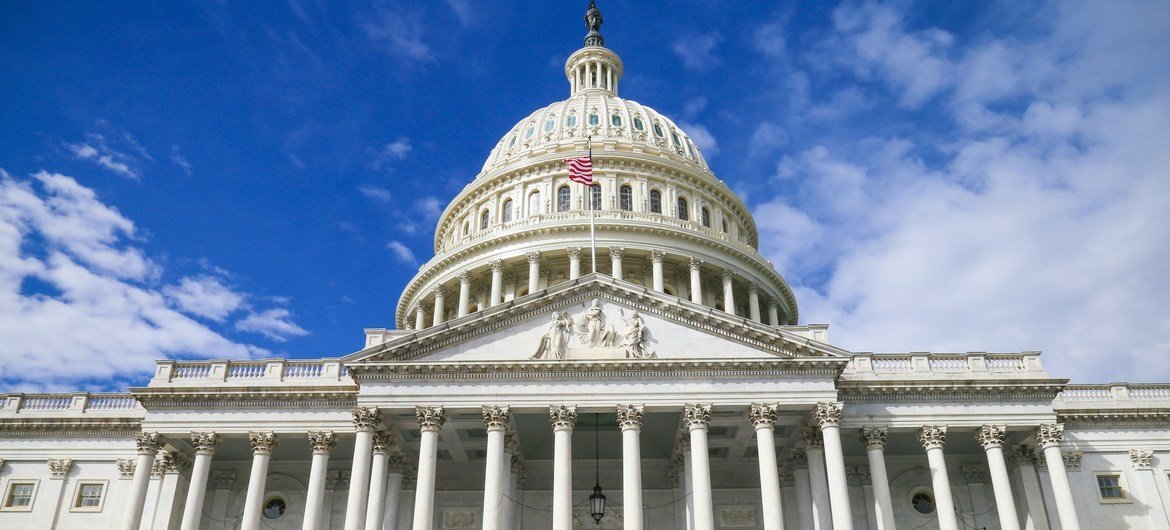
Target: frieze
(594,370)
(959,390)
(71,427)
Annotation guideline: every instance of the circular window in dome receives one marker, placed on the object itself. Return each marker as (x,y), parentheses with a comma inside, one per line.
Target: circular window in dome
(923,502)
(638,124)
(548,125)
(275,507)
(571,120)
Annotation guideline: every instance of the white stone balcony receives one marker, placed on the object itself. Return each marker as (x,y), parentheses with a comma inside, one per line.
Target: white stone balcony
(945,366)
(1114,396)
(221,373)
(77,404)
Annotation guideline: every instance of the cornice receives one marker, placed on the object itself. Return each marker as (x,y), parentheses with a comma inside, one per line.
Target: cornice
(950,390)
(595,370)
(229,397)
(70,427)
(1115,417)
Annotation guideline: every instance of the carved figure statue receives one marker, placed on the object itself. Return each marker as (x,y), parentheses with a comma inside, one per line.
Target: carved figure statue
(556,338)
(634,341)
(592,17)
(591,332)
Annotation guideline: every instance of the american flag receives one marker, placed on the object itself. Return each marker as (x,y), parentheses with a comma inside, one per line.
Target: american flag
(581,169)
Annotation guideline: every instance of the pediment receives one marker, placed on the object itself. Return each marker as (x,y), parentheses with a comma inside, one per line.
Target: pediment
(596,318)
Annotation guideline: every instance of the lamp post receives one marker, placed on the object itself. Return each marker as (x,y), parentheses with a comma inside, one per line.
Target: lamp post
(597,500)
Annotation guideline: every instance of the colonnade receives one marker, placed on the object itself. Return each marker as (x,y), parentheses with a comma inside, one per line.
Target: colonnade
(761,307)
(817,468)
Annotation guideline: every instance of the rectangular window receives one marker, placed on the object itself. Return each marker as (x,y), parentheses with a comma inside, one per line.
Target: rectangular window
(20,495)
(1110,487)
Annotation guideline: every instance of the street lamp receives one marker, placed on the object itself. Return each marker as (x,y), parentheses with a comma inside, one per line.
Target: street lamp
(597,500)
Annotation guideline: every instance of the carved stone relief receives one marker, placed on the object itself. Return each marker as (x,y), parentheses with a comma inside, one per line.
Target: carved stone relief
(590,335)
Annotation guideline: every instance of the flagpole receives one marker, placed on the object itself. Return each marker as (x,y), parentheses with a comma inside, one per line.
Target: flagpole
(589,198)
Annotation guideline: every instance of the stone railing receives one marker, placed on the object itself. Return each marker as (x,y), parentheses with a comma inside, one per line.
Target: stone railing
(324,371)
(81,402)
(1121,394)
(944,364)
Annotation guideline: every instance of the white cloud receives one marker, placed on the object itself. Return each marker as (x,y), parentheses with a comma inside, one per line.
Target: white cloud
(375,193)
(697,52)
(767,137)
(702,137)
(769,40)
(102,155)
(395,151)
(179,160)
(402,252)
(76,298)
(204,296)
(272,323)
(397,33)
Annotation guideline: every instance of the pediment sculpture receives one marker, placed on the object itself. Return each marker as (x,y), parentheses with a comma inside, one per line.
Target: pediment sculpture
(589,333)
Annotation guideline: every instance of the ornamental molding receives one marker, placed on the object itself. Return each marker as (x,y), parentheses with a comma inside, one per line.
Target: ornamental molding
(1115,418)
(496,418)
(71,427)
(1142,458)
(205,443)
(276,396)
(763,415)
(606,370)
(562,417)
(933,436)
(322,442)
(990,436)
(582,290)
(874,437)
(630,416)
(957,389)
(697,416)
(59,467)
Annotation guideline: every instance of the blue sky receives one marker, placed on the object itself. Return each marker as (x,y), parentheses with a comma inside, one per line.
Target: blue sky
(245,179)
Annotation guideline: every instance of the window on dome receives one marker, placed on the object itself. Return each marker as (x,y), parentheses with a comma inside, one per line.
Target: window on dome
(483,220)
(513,142)
(594,120)
(466,228)
(507,213)
(626,197)
(528,134)
(616,120)
(674,135)
(595,197)
(571,120)
(534,203)
(682,209)
(548,125)
(725,225)
(638,123)
(658,130)
(655,201)
(705,217)
(563,199)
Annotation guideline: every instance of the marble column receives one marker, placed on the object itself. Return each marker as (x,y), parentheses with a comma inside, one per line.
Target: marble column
(322,444)
(495,421)
(464,293)
(991,438)
(697,418)
(798,461)
(630,420)
(728,291)
(439,310)
(773,315)
(379,468)
(1049,436)
(754,302)
(262,445)
(933,437)
(365,421)
(205,444)
(763,417)
(533,270)
(1148,491)
(828,415)
(55,490)
(149,445)
(688,477)
(615,261)
(497,288)
(874,439)
(818,482)
(430,422)
(396,470)
(563,418)
(696,281)
(574,263)
(1031,495)
(656,257)
(420,317)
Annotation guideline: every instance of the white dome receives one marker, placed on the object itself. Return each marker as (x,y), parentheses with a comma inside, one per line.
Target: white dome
(611,122)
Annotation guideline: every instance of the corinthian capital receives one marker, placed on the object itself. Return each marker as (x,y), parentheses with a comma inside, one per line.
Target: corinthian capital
(657,255)
(727,274)
(1142,458)
(574,252)
(497,265)
(562,417)
(262,442)
(874,437)
(126,467)
(383,442)
(430,418)
(59,467)
(533,256)
(697,416)
(828,413)
(465,277)
(990,436)
(1050,434)
(811,436)
(616,252)
(630,416)
(149,443)
(763,415)
(496,418)
(933,436)
(366,418)
(696,264)
(205,442)
(322,442)
(397,463)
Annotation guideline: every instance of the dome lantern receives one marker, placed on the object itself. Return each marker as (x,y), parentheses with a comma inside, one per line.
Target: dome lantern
(593,68)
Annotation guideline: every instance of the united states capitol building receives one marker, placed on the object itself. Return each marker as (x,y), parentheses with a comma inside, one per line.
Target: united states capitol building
(660,381)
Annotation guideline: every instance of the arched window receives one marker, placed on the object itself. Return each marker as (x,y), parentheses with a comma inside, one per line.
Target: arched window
(548,125)
(705,217)
(506,216)
(616,120)
(483,220)
(571,120)
(563,199)
(682,209)
(534,203)
(725,225)
(466,228)
(531,130)
(655,201)
(594,120)
(657,130)
(626,197)
(638,123)
(595,197)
